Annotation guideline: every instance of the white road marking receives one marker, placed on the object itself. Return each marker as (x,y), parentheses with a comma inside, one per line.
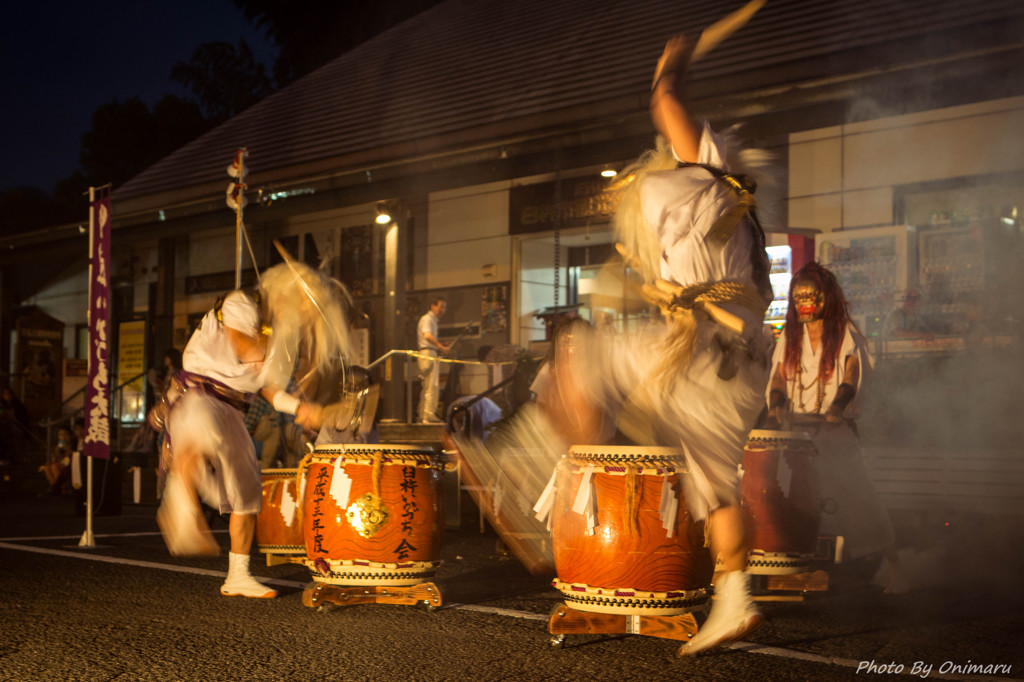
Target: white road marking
(80,554)
(749,647)
(95,535)
(512,613)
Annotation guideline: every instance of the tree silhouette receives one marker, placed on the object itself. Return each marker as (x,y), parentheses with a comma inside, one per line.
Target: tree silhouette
(311,33)
(126,137)
(226,80)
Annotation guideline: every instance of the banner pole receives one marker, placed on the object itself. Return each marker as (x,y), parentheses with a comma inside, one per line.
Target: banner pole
(87,539)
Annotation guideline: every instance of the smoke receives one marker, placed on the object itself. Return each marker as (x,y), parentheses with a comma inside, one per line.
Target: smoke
(941,429)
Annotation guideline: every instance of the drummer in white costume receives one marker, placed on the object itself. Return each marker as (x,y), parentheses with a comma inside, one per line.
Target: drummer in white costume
(698,384)
(231,356)
(818,369)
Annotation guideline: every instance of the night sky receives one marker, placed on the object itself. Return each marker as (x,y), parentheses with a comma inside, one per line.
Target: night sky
(63,60)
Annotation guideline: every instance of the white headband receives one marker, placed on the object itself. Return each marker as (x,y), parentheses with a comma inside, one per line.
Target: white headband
(239,312)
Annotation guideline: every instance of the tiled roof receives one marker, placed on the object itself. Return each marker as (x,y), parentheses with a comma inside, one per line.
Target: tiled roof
(469,72)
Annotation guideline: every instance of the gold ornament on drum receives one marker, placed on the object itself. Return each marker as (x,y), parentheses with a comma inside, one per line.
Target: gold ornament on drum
(367,515)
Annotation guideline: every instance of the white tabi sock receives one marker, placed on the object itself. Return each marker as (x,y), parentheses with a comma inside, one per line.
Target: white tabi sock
(733,614)
(240,582)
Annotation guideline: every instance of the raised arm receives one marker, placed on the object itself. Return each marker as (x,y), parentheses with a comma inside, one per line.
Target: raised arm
(668,109)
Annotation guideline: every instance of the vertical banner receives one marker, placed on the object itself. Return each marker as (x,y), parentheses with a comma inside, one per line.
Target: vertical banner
(97,391)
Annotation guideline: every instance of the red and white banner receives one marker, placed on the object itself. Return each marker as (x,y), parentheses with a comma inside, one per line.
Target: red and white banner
(97,390)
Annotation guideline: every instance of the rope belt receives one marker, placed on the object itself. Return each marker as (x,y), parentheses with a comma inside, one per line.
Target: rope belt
(682,305)
(236,399)
(674,299)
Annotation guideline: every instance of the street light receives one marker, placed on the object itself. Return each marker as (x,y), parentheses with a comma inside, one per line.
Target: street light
(383,215)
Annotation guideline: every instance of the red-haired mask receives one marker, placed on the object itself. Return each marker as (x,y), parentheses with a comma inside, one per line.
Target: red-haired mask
(809,301)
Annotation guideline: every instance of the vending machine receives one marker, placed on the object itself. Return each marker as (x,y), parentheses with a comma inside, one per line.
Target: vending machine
(874,266)
(781,259)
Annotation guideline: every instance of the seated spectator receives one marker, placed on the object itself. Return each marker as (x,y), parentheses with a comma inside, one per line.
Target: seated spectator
(56,469)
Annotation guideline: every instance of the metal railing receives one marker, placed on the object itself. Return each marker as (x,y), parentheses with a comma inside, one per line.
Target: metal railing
(58,417)
(411,355)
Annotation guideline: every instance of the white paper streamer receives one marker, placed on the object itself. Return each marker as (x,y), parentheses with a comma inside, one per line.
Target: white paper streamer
(785,474)
(586,499)
(591,519)
(288,506)
(579,505)
(669,507)
(341,484)
(546,500)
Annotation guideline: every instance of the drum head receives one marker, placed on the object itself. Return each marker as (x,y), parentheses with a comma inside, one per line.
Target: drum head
(624,452)
(770,434)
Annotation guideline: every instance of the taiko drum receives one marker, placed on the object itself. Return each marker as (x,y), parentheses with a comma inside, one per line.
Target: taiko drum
(278,525)
(781,504)
(372,514)
(628,561)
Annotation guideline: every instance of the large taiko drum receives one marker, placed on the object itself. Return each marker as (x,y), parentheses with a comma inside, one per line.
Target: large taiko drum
(279,525)
(781,505)
(624,541)
(372,514)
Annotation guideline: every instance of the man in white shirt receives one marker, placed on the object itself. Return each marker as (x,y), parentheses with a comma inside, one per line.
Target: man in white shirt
(429,348)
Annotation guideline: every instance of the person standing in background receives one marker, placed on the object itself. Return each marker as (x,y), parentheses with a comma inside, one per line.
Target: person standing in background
(429,349)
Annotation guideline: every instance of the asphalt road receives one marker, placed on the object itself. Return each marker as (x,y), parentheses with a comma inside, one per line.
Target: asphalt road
(126,610)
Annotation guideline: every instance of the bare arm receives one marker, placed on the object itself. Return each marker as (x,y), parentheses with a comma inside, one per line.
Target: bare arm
(668,111)
(309,415)
(429,338)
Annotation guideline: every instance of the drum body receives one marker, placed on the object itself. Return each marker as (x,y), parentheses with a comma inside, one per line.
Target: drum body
(641,553)
(781,505)
(372,514)
(278,525)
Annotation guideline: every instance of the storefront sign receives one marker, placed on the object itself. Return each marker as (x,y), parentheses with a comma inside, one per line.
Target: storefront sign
(40,353)
(131,357)
(574,202)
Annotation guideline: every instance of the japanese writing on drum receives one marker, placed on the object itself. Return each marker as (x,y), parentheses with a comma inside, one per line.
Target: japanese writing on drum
(319,493)
(409,508)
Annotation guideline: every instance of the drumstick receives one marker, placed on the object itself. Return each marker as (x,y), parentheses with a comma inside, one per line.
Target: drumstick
(723,317)
(723,28)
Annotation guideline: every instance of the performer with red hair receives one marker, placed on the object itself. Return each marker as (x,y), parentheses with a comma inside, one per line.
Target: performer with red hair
(819,366)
